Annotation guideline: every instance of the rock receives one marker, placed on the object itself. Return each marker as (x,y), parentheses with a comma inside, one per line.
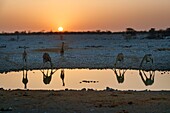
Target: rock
(130,103)
(25,94)
(109,89)
(6,109)
(90,90)
(84,89)
(1,88)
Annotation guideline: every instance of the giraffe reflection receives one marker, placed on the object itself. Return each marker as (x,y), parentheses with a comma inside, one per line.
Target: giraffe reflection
(147,79)
(120,73)
(62,76)
(47,75)
(24,78)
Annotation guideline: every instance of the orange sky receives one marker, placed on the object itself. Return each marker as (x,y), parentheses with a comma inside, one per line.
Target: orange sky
(83,15)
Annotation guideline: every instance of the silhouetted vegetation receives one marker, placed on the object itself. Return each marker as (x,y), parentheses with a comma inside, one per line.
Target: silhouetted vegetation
(51,32)
(129,32)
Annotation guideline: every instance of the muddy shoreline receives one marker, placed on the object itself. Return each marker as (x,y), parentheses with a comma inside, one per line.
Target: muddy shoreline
(84,101)
(30,69)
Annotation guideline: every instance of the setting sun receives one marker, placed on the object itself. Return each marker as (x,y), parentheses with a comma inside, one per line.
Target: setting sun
(60,29)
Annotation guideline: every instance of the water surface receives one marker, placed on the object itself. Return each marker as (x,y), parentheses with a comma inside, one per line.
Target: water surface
(84,78)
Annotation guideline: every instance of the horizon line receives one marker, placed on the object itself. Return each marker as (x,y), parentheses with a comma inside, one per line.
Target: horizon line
(77,31)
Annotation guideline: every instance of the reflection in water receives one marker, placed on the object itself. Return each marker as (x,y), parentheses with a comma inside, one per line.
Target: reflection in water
(135,79)
(147,61)
(25,78)
(120,74)
(48,75)
(89,81)
(147,80)
(62,76)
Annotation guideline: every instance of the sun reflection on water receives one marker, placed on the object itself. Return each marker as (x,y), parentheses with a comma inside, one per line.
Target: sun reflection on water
(85,78)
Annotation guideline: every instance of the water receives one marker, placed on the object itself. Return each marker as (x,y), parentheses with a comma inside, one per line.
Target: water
(85,78)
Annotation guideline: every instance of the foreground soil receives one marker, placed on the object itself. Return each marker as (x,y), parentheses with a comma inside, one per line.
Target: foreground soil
(19,101)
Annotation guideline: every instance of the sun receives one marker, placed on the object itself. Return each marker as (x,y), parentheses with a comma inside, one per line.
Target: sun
(60,29)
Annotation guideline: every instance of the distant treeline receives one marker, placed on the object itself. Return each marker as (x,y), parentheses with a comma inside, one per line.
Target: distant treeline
(132,31)
(51,32)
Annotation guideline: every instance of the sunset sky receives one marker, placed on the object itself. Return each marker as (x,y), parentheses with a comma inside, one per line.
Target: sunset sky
(83,15)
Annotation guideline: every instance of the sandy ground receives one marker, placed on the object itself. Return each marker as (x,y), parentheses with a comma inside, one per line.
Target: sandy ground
(19,101)
(82,51)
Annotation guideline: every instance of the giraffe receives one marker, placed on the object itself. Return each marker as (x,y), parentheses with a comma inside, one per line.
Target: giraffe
(62,49)
(119,58)
(146,59)
(47,58)
(24,57)
(147,80)
(119,74)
